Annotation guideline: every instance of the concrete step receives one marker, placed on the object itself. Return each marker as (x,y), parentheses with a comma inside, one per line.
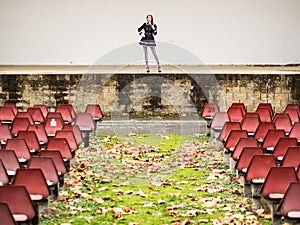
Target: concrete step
(155,126)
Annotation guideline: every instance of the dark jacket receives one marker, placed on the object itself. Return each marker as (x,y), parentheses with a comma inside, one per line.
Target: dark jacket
(147,31)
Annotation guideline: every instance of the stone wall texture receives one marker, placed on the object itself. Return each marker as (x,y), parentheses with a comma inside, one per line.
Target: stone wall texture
(157,94)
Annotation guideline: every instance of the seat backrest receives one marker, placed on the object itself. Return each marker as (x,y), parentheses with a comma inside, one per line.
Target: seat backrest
(242,143)
(291,157)
(263,129)
(69,135)
(31,140)
(277,182)
(266,105)
(250,124)
(25,115)
(85,122)
(233,138)
(37,115)
(264,114)
(295,131)
(34,181)
(65,113)
(241,106)
(60,144)
(6,217)
(13,106)
(19,124)
(20,147)
(53,124)
(71,109)
(228,126)
(235,114)
(95,111)
(3,174)
(19,202)
(259,167)
(246,156)
(76,131)
(209,110)
(43,108)
(293,106)
(57,160)
(289,206)
(282,145)
(271,139)
(10,161)
(47,165)
(4,133)
(293,114)
(219,120)
(7,115)
(40,132)
(284,123)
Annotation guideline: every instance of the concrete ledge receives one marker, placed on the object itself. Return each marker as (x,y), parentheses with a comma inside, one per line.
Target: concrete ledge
(140,69)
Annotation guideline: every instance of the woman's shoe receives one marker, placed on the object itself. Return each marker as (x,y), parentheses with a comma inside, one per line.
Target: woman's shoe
(147,70)
(159,70)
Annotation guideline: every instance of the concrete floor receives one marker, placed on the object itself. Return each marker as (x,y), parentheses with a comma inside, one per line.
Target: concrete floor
(140,69)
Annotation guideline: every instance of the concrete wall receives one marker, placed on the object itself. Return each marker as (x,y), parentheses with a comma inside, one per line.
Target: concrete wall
(217,31)
(131,94)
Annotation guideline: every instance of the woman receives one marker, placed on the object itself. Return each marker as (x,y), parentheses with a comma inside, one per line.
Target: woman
(147,30)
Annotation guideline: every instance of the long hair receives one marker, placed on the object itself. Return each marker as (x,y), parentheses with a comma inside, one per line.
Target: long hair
(152,21)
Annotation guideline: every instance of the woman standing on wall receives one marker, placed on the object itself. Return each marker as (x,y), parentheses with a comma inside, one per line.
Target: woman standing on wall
(147,30)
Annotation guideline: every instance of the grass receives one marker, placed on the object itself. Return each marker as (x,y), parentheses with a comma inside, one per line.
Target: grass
(106,188)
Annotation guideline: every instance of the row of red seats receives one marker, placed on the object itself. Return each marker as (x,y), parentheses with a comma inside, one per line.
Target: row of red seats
(263,148)
(35,154)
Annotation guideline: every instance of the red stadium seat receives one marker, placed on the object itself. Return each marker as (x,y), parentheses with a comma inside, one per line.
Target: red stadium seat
(228,126)
(4,179)
(31,140)
(10,161)
(235,114)
(19,124)
(4,133)
(7,115)
(219,120)
(6,217)
(282,145)
(37,115)
(40,132)
(209,111)
(263,129)
(20,147)
(43,109)
(291,157)
(271,139)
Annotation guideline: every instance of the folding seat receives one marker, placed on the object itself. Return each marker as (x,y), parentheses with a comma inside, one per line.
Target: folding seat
(60,144)
(96,112)
(271,139)
(276,185)
(20,204)
(71,109)
(47,165)
(25,115)
(266,105)
(295,131)
(58,162)
(282,145)
(10,161)
(43,108)
(37,115)
(53,124)
(263,129)
(19,124)
(233,138)
(235,114)
(293,106)
(208,112)
(86,125)
(293,114)
(289,206)
(6,217)
(20,147)
(12,106)
(245,158)
(35,183)
(4,133)
(4,179)
(219,120)
(241,106)
(255,176)
(264,114)
(76,131)
(31,140)
(7,115)
(250,124)
(65,114)
(228,126)
(284,123)
(291,157)
(40,132)
(242,143)
(69,135)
